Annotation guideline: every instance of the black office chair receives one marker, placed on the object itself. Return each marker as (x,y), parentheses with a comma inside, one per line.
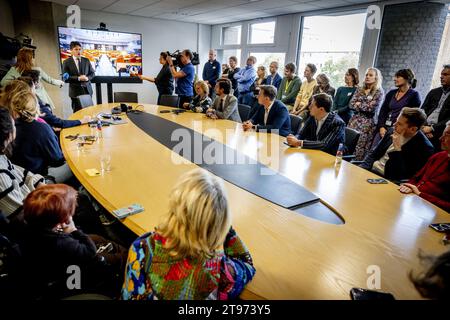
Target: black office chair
(130,97)
(169,100)
(244,111)
(296,121)
(351,140)
(85,101)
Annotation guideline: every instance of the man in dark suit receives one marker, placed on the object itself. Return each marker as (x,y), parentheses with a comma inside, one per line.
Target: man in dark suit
(324,130)
(404,149)
(272,115)
(437,108)
(80,73)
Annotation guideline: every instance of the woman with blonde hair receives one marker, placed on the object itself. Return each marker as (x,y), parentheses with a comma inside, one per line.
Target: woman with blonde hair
(194,253)
(9,91)
(25,62)
(365,103)
(201,101)
(36,147)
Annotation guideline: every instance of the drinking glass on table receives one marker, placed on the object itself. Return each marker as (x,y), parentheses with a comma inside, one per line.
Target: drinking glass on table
(105,163)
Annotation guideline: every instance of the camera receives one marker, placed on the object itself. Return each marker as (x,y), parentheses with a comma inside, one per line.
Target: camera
(10,46)
(176,58)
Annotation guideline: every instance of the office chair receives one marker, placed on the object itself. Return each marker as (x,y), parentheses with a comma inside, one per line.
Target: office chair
(296,121)
(244,111)
(169,100)
(351,140)
(130,97)
(85,101)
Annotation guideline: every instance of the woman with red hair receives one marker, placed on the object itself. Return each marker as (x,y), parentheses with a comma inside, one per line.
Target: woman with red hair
(57,249)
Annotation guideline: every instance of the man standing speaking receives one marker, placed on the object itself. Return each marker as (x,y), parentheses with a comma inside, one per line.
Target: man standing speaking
(80,72)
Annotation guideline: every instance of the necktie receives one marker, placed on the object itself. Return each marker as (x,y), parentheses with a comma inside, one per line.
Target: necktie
(221,105)
(266,115)
(78,64)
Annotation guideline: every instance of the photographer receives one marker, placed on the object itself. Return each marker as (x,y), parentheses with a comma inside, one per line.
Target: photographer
(184,77)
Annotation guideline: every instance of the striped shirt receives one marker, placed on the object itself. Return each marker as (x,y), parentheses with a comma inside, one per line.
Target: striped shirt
(15,184)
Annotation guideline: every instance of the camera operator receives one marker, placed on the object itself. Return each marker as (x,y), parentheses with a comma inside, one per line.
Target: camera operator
(184,77)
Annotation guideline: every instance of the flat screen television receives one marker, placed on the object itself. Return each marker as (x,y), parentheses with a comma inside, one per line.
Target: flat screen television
(114,55)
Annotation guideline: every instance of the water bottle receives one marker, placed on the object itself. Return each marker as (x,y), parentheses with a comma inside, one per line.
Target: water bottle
(339,153)
(99,128)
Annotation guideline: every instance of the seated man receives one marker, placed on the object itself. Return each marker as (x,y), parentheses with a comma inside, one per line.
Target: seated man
(272,116)
(225,105)
(437,108)
(403,149)
(433,182)
(324,130)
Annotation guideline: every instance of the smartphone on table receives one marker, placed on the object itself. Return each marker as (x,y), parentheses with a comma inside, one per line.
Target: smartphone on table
(365,294)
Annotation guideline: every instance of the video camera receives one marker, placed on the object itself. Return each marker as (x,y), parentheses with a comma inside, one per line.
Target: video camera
(10,46)
(176,58)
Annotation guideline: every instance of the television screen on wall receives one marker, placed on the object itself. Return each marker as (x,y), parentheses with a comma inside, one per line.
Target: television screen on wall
(112,54)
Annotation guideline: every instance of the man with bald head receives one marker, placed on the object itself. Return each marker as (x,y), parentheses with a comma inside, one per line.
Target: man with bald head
(211,71)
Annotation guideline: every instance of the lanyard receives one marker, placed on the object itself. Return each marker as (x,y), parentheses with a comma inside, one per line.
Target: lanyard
(288,84)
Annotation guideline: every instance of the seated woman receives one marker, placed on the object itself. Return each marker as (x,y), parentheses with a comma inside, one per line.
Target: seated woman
(201,101)
(395,100)
(194,253)
(322,86)
(36,147)
(53,244)
(46,112)
(9,91)
(15,182)
(433,182)
(341,104)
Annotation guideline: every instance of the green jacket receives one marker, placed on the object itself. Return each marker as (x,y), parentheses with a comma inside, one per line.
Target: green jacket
(41,93)
(289,93)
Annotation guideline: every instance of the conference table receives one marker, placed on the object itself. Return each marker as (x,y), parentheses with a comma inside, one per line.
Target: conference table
(296,256)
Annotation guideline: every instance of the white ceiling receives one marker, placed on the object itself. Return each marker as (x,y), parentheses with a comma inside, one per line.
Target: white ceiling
(209,11)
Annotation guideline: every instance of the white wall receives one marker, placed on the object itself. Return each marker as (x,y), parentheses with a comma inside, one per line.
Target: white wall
(157,36)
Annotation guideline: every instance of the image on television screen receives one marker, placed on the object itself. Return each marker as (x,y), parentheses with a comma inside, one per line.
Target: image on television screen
(111,53)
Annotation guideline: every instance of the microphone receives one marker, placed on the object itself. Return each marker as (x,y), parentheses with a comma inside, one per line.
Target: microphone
(65,76)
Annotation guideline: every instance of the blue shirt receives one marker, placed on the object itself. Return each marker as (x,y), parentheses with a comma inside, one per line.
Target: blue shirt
(211,72)
(245,78)
(185,85)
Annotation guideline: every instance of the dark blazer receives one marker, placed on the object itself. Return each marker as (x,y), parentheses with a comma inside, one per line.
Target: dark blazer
(276,80)
(278,118)
(51,253)
(401,164)
(53,121)
(431,102)
(331,134)
(78,88)
(36,147)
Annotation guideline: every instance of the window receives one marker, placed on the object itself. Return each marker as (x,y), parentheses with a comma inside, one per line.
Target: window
(444,53)
(265,58)
(262,33)
(229,53)
(332,50)
(231,35)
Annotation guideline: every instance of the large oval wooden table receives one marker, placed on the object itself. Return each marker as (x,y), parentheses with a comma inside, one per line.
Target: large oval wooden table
(296,257)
